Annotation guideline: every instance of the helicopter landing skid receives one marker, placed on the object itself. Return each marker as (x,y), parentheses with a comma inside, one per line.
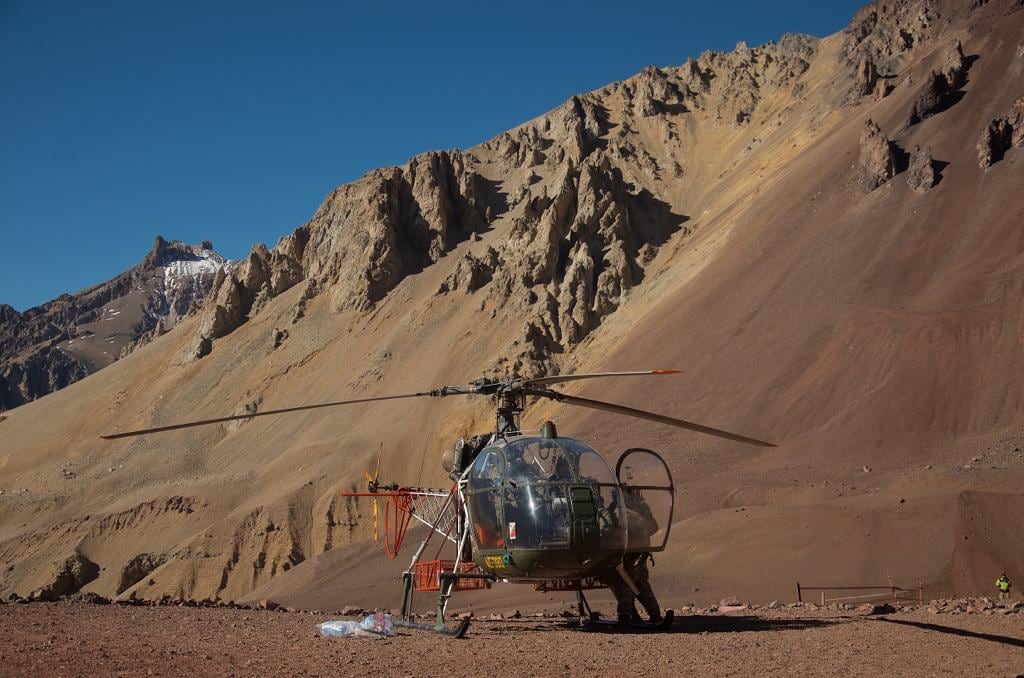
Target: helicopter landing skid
(457,632)
(664,625)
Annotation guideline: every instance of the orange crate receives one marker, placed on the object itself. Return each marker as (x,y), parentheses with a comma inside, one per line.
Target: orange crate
(426,576)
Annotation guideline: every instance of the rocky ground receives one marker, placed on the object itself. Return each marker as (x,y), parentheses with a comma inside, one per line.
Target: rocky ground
(70,639)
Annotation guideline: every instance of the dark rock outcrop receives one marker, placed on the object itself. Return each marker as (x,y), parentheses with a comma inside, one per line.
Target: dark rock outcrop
(471,273)
(364,239)
(955,66)
(879,159)
(930,100)
(572,257)
(866,77)
(278,336)
(884,32)
(941,88)
(994,142)
(1001,135)
(878,39)
(137,569)
(733,83)
(35,373)
(67,577)
(922,175)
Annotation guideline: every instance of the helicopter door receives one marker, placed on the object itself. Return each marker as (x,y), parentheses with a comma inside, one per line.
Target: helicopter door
(584,518)
(649,498)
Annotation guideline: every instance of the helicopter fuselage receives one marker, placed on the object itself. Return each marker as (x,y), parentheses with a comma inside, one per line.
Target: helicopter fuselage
(543,508)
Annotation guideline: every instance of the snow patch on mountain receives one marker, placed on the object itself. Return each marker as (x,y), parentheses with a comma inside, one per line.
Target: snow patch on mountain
(190,275)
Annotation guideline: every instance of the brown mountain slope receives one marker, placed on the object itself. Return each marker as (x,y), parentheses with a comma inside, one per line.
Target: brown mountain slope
(735,217)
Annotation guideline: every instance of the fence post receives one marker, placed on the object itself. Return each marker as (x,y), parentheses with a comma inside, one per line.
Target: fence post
(799,594)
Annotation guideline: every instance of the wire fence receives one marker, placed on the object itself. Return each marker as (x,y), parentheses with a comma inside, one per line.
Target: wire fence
(881,593)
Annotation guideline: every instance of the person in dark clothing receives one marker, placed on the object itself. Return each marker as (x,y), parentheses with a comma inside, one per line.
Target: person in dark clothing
(635,565)
(641,525)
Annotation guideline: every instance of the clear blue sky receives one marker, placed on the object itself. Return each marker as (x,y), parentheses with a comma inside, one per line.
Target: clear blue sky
(231,121)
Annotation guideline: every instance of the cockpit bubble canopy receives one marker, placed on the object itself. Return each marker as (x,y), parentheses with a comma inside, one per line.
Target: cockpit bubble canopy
(543,493)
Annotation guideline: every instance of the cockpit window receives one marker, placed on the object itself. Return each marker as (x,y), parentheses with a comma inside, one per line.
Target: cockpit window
(555,460)
(540,493)
(487,471)
(592,466)
(485,499)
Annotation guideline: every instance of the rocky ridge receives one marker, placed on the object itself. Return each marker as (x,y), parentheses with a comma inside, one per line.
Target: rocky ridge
(62,341)
(575,194)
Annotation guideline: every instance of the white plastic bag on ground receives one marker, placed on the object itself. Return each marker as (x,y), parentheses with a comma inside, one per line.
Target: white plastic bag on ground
(338,629)
(377,625)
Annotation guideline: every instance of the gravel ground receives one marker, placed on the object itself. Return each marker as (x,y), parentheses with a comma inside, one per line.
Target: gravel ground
(73,639)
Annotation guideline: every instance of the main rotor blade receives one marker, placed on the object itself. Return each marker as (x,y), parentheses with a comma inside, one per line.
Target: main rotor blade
(651,416)
(559,378)
(236,417)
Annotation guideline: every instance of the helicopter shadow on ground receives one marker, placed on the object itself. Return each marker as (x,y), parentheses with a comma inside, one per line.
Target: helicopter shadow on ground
(696,624)
(693,624)
(745,623)
(940,628)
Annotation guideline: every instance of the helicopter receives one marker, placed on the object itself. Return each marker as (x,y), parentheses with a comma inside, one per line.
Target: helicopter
(524,506)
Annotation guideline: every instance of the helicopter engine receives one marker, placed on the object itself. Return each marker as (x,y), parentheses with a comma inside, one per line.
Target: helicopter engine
(459,456)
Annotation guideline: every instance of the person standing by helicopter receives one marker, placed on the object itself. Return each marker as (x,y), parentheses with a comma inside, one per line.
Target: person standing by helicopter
(642,525)
(633,582)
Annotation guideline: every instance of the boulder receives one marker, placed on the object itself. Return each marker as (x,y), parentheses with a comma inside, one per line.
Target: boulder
(1001,135)
(921,174)
(879,160)
(941,88)
(995,140)
(931,99)
(955,66)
